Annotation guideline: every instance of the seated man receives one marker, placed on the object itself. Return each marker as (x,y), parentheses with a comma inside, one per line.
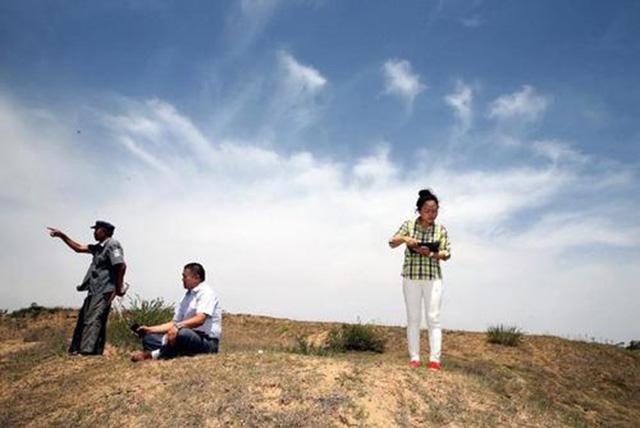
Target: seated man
(196,324)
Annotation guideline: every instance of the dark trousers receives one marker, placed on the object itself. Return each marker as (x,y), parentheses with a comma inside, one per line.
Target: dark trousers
(188,342)
(90,333)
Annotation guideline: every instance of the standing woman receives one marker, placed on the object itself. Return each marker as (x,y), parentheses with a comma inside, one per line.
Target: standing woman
(427,244)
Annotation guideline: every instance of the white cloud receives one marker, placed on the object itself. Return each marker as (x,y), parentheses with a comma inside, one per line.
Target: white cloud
(557,151)
(473,21)
(144,155)
(525,104)
(296,236)
(301,78)
(31,141)
(375,168)
(298,97)
(579,230)
(400,80)
(461,101)
(140,126)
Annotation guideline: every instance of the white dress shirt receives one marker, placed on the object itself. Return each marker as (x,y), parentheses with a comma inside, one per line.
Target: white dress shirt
(201,300)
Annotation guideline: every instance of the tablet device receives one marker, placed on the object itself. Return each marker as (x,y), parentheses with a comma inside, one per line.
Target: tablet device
(432,246)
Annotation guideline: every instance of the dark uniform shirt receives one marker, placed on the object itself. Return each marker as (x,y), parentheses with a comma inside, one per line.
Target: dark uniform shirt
(101,276)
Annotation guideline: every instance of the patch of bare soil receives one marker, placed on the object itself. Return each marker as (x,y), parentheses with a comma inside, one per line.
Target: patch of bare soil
(9,347)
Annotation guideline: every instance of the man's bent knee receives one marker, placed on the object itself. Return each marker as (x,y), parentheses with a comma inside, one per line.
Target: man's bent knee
(151,341)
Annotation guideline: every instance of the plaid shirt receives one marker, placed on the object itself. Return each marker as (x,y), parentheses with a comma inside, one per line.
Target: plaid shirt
(415,265)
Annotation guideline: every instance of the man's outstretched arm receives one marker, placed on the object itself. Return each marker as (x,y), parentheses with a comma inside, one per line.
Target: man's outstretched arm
(78,248)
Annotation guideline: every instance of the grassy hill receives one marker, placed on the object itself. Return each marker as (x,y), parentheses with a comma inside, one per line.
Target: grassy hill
(546,381)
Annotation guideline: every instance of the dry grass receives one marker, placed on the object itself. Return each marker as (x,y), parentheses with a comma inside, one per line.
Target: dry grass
(546,381)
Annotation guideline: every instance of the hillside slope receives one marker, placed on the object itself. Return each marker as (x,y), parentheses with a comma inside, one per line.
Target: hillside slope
(546,381)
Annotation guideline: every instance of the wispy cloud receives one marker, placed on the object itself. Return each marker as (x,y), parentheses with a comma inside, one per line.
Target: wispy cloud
(145,156)
(248,22)
(156,126)
(473,21)
(400,80)
(558,151)
(526,105)
(301,79)
(461,102)
(297,99)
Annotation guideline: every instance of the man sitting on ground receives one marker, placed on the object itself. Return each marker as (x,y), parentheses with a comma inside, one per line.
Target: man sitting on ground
(196,324)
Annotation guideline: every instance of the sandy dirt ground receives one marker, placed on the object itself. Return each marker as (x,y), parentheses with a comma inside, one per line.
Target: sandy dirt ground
(258,381)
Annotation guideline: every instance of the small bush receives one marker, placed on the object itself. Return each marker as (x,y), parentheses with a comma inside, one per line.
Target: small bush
(504,335)
(34,311)
(634,345)
(347,337)
(304,347)
(142,312)
(356,337)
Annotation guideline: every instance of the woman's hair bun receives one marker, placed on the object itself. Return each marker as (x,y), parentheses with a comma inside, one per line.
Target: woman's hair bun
(424,193)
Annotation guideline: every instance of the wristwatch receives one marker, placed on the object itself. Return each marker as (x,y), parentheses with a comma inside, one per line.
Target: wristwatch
(179,325)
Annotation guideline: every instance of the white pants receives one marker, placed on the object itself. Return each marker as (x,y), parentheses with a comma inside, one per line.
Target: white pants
(415,292)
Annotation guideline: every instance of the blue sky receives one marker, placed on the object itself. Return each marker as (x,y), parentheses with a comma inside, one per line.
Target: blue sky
(199,57)
(256,135)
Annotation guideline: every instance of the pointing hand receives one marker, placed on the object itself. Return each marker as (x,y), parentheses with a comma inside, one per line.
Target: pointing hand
(54,233)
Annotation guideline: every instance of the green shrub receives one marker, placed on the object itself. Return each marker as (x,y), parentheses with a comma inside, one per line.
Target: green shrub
(634,345)
(347,337)
(138,311)
(34,311)
(303,347)
(356,337)
(504,335)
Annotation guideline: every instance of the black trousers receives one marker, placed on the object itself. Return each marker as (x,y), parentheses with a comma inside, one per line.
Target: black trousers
(188,342)
(90,333)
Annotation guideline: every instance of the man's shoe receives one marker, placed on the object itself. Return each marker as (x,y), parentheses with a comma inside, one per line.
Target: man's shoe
(140,356)
(414,364)
(434,365)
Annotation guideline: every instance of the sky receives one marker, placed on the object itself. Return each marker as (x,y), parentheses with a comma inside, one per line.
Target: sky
(282,143)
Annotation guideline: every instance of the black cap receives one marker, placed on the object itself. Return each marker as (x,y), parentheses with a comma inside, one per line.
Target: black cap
(105,224)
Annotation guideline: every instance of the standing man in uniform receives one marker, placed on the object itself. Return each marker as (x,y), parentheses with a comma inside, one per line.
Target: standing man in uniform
(196,324)
(104,280)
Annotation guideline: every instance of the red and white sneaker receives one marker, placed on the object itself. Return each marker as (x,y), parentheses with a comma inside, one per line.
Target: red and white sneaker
(414,364)
(434,365)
